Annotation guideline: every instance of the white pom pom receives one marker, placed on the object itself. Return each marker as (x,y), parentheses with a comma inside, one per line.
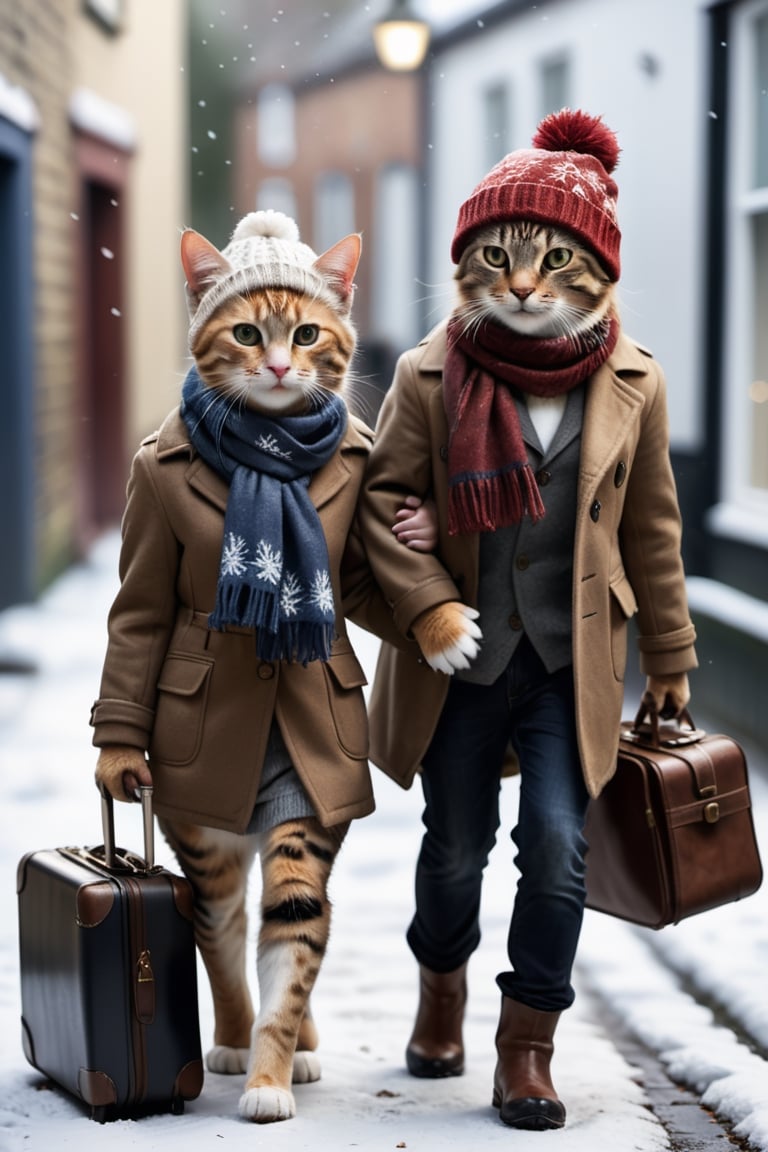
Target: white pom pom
(270,224)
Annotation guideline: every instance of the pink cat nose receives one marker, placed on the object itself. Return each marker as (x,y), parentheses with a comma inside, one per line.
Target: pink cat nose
(279,369)
(522,293)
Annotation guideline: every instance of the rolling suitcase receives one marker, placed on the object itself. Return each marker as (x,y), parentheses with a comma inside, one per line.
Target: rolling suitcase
(108,975)
(671,835)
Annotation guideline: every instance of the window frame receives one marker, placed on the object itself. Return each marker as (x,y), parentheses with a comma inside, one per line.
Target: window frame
(743,509)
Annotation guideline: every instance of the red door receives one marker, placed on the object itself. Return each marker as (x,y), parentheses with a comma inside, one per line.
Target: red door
(102,401)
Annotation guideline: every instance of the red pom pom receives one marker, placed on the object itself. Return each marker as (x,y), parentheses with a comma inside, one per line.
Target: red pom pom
(569,131)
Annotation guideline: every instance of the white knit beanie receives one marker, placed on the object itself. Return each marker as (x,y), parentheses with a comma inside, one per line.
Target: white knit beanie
(264,252)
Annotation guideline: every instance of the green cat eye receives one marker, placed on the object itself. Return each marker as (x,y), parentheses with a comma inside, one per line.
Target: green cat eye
(246,334)
(557,258)
(306,334)
(495,256)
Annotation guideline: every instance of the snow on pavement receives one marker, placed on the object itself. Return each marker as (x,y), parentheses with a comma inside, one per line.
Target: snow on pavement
(366,994)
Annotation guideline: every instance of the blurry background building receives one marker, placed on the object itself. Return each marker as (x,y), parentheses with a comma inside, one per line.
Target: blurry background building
(121,121)
(92,195)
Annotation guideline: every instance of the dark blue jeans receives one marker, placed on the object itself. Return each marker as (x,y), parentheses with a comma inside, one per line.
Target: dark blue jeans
(461,779)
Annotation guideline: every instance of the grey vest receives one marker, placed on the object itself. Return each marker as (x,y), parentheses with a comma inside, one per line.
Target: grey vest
(526,570)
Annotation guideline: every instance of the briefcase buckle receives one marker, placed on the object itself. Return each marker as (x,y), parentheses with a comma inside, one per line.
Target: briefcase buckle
(712,812)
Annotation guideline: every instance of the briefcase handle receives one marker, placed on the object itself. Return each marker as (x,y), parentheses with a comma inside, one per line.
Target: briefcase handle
(646,729)
(108,826)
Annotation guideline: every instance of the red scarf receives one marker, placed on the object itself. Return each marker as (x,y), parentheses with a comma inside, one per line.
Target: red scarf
(490,482)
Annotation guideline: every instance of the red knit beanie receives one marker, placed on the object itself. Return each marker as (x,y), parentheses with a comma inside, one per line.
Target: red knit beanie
(563,180)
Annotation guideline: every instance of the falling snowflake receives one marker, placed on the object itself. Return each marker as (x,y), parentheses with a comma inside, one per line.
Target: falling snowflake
(268,563)
(233,557)
(269,443)
(290,595)
(321,592)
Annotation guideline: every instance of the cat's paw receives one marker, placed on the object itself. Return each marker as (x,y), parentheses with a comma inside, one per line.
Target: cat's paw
(228,1061)
(264,1104)
(306,1067)
(120,770)
(448,636)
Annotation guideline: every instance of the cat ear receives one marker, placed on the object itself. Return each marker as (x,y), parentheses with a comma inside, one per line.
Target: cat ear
(202,262)
(339,264)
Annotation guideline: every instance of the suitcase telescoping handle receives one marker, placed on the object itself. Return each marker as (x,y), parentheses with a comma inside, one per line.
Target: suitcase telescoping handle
(108,824)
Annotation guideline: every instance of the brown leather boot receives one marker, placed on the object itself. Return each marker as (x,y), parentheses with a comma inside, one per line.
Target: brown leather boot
(522,1087)
(436,1048)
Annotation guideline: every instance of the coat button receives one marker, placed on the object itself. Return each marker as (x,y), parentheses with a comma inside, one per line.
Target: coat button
(595,511)
(266,671)
(522,562)
(515,622)
(620,474)
(543,477)
(443,451)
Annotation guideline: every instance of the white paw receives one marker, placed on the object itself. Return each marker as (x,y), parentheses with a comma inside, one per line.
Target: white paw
(228,1061)
(463,652)
(306,1067)
(264,1105)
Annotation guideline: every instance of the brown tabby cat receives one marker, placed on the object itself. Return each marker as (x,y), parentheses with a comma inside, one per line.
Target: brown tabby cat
(271,334)
(539,281)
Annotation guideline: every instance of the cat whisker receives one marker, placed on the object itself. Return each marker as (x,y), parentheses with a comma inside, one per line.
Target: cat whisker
(447,289)
(472,315)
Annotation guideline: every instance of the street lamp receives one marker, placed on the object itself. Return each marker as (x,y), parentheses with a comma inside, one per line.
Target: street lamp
(400,38)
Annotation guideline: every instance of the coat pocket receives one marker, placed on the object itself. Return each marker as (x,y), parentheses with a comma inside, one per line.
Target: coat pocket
(623,607)
(344,680)
(182,696)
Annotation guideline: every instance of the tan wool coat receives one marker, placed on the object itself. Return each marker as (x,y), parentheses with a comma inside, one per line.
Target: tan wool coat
(200,702)
(626,553)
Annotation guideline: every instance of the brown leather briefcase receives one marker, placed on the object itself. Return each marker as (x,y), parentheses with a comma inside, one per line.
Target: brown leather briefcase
(671,834)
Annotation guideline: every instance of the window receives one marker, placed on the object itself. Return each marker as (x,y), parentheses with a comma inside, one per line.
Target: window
(496,118)
(334,209)
(555,84)
(395,259)
(276,136)
(744,493)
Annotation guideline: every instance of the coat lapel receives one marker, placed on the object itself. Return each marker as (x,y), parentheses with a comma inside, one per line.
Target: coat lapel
(329,480)
(208,483)
(611,404)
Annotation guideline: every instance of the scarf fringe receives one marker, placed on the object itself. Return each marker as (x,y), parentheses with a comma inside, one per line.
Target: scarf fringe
(485,503)
(297,641)
(246,605)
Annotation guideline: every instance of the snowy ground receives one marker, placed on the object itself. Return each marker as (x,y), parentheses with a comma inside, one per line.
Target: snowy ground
(365,998)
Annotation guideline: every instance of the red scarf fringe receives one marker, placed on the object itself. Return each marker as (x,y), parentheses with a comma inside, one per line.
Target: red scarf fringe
(483,503)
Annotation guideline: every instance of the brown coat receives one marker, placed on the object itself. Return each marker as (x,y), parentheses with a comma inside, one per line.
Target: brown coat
(200,702)
(626,553)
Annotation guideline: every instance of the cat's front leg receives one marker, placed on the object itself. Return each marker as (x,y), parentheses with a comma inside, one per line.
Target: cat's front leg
(448,636)
(296,861)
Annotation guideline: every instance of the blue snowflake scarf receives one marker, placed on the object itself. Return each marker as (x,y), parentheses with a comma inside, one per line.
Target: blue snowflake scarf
(274,574)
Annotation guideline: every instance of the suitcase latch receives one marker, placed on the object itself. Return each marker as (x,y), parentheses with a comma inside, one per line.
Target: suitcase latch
(712,812)
(146,975)
(145,988)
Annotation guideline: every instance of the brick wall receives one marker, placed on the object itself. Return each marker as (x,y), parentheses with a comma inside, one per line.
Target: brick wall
(35,55)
